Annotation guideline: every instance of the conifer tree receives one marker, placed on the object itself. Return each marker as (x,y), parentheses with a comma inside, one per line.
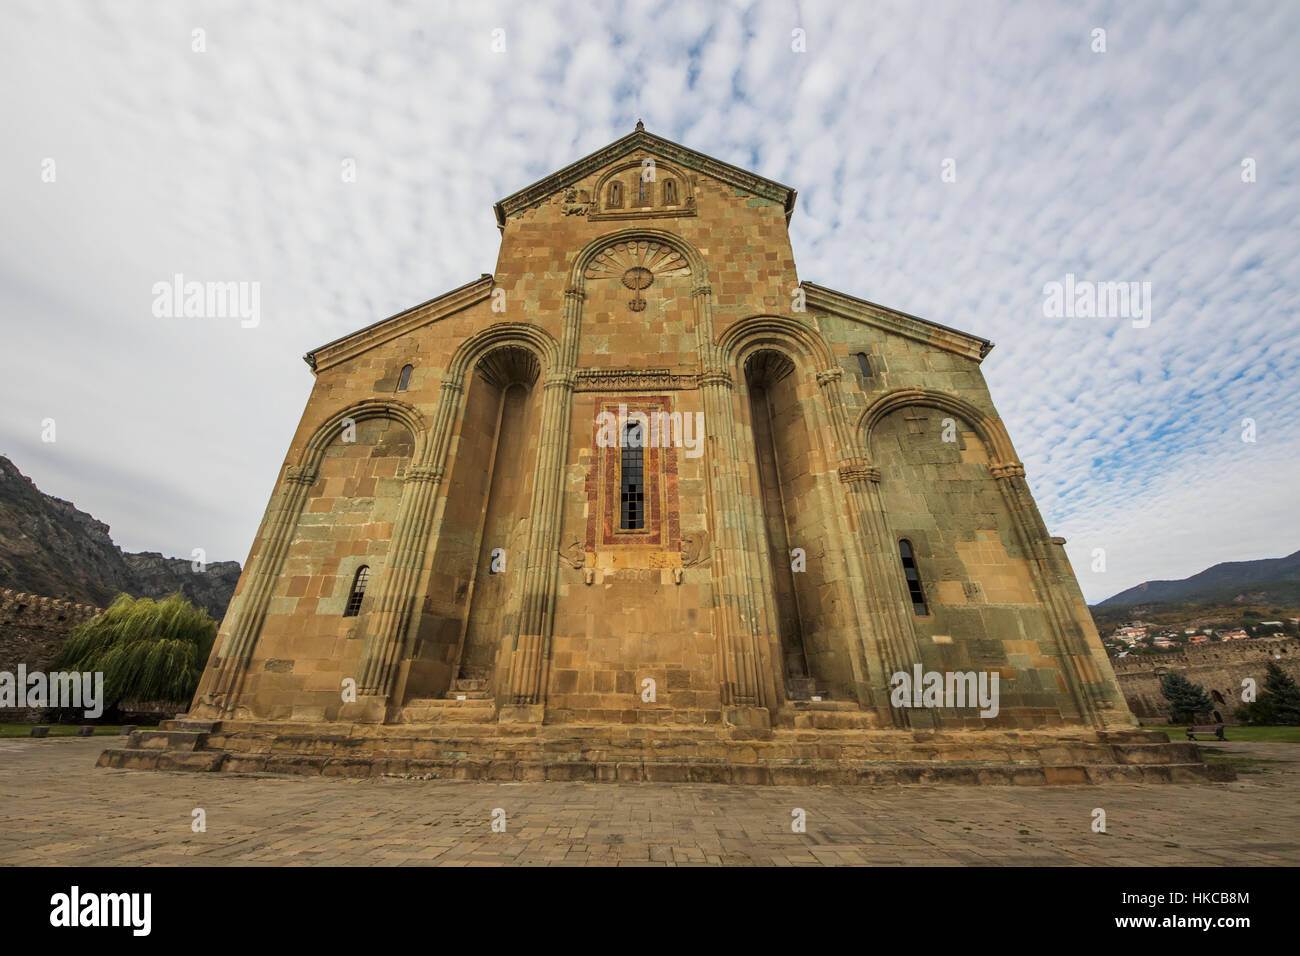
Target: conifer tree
(1278,703)
(1186,699)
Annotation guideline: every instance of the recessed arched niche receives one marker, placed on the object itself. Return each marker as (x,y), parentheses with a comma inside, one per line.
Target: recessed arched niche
(783,448)
(477,570)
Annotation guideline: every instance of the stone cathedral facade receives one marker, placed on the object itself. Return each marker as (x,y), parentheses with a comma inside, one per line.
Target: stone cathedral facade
(642,484)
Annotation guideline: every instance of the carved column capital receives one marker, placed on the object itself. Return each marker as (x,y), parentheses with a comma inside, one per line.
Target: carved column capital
(702,289)
(451,385)
(855,469)
(301,474)
(563,380)
(716,377)
(418,473)
(829,376)
(1007,469)
(575,294)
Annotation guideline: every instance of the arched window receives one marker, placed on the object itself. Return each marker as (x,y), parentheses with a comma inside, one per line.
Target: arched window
(632,514)
(358,591)
(404,379)
(913,575)
(670,192)
(615,195)
(863,365)
(643,190)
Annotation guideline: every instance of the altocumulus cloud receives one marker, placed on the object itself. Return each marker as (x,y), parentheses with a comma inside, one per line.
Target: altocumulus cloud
(225,165)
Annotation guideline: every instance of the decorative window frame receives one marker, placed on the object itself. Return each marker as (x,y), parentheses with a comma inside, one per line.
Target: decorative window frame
(632,207)
(662,525)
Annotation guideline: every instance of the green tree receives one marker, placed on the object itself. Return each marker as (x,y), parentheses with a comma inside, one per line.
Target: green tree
(1278,703)
(1186,699)
(147,650)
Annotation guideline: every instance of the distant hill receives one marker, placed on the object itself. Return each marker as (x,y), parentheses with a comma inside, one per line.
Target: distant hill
(50,548)
(1271,580)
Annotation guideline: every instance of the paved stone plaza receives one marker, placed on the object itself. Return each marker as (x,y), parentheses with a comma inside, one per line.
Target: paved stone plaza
(57,808)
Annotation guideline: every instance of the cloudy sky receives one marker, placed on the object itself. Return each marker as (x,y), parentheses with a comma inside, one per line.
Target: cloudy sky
(225,164)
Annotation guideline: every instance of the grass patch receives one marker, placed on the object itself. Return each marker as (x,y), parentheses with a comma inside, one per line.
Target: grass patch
(58,730)
(1267,735)
(1217,755)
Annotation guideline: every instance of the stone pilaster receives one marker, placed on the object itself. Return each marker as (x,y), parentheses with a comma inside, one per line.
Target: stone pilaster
(396,596)
(845,559)
(237,650)
(1084,679)
(735,611)
(530,657)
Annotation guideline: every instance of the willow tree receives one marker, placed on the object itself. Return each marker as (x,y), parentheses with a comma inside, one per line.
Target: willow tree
(147,650)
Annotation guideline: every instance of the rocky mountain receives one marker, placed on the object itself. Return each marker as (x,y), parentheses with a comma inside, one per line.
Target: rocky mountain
(1271,580)
(49,547)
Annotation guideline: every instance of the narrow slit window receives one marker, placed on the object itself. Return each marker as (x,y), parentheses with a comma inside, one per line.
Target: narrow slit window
(863,365)
(359,582)
(404,379)
(670,192)
(913,576)
(632,473)
(643,190)
(615,195)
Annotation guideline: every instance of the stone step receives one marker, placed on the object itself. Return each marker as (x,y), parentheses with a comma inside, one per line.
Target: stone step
(474,684)
(177,740)
(484,742)
(775,773)
(153,759)
(466,743)
(190,726)
(437,711)
(1150,753)
(805,688)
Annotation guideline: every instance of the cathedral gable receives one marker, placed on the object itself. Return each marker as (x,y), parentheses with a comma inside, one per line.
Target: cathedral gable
(639,176)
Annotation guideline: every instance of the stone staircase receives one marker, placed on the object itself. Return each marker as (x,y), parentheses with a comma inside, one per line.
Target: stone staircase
(441,710)
(823,715)
(468,688)
(805,688)
(459,747)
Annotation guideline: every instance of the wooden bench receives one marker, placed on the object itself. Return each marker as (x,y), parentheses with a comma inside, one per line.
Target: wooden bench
(1216,729)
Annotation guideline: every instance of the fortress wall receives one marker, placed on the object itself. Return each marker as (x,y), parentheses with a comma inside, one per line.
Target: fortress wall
(32,628)
(1218,667)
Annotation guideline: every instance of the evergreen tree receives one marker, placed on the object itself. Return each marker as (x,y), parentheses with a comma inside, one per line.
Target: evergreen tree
(1278,703)
(1186,699)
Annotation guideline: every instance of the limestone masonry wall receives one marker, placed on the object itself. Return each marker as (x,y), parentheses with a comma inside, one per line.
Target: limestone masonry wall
(831,430)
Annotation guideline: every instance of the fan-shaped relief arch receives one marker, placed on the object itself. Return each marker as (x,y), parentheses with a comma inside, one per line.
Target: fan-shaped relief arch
(659,251)
(658,260)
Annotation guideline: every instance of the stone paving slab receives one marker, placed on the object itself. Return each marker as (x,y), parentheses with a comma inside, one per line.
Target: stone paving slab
(56,808)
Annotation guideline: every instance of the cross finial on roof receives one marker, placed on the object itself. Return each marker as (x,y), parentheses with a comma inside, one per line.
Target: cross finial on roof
(640,126)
